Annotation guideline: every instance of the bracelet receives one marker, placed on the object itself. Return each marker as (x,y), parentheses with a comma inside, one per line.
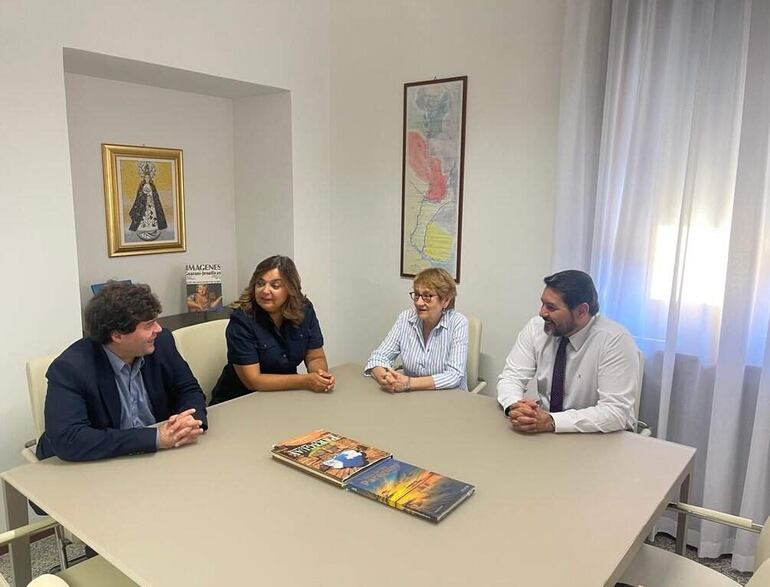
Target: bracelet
(408,384)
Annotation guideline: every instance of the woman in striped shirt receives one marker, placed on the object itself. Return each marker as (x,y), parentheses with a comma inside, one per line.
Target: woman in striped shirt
(431,338)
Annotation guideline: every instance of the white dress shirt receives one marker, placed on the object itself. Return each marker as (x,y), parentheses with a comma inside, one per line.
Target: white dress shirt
(601,380)
(442,356)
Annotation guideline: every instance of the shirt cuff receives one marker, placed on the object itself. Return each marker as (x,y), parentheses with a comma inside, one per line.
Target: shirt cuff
(562,422)
(157,439)
(372,364)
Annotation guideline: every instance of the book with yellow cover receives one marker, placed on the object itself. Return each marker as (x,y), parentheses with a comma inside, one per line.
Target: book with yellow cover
(330,456)
(412,489)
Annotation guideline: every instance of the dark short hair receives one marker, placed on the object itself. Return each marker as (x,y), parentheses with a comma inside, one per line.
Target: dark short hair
(293,309)
(119,307)
(575,287)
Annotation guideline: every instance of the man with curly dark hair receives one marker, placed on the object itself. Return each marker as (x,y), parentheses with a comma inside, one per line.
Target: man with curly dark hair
(124,388)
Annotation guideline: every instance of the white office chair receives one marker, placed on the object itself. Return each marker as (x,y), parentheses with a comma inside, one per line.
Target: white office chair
(475,385)
(48,580)
(37,387)
(92,572)
(655,567)
(641,427)
(204,348)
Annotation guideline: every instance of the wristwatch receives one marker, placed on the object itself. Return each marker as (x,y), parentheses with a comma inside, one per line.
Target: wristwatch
(508,409)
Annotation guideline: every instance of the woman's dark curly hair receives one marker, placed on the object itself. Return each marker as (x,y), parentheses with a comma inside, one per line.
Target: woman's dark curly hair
(293,309)
(119,307)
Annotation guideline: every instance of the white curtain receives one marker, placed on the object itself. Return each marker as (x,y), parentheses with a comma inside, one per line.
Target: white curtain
(663,196)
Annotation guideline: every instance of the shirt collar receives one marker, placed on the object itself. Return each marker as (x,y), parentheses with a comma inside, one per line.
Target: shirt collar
(443,321)
(578,339)
(119,364)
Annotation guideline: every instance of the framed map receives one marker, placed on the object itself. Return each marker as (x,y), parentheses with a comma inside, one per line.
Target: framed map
(432,180)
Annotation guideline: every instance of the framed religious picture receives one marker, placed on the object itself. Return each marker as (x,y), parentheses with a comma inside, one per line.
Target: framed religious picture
(144,200)
(432,175)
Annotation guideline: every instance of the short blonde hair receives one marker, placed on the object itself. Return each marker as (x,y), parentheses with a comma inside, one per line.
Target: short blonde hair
(439,281)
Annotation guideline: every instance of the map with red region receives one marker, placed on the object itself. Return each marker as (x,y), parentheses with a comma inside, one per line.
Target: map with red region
(432,188)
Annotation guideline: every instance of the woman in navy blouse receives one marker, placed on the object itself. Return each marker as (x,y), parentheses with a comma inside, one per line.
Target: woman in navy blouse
(273,330)
(431,338)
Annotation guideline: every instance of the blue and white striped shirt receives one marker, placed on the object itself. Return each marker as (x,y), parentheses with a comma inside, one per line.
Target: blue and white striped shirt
(443,356)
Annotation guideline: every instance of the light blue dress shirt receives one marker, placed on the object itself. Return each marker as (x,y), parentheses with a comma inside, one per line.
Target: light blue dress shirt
(135,407)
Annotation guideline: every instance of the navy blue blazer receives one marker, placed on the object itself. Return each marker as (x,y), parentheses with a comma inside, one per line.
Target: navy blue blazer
(82,406)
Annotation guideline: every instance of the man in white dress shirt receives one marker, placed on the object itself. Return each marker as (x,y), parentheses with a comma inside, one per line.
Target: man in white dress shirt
(586,366)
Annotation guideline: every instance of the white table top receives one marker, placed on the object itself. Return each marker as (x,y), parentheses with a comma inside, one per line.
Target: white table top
(548,510)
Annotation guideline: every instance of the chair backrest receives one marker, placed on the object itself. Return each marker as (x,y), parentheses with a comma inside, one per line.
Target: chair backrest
(37,387)
(474,350)
(761,577)
(204,348)
(638,397)
(763,546)
(48,581)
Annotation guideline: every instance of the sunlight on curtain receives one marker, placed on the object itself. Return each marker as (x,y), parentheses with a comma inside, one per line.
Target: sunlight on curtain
(703,279)
(675,233)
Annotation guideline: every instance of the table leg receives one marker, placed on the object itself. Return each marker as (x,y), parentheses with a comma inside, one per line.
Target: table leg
(681,518)
(16,516)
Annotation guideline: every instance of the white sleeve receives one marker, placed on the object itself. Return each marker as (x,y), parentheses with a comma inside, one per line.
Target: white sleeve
(520,367)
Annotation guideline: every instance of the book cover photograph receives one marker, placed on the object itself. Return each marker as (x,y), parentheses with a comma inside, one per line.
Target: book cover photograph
(204,287)
(412,489)
(330,456)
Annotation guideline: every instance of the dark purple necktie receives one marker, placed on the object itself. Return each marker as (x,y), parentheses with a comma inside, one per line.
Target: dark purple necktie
(557,381)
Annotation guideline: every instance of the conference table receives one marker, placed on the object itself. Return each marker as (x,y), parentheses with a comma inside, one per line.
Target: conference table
(548,510)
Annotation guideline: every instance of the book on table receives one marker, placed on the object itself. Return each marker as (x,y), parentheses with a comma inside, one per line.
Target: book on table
(411,489)
(332,457)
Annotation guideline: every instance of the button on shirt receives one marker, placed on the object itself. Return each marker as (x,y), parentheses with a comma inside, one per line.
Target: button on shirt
(442,357)
(135,407)
(602,376)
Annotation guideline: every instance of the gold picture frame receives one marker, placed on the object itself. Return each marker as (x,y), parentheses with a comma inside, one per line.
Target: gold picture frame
(143,200)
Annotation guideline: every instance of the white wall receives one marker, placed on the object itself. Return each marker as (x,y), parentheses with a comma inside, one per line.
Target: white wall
(510,52)
(264,202)
(270,42)
(346,244)
(103,111)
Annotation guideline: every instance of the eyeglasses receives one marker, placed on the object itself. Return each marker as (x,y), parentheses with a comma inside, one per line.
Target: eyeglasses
(426,297)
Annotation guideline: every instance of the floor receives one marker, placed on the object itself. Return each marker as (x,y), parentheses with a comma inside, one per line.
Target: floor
(721,564)
(44,557)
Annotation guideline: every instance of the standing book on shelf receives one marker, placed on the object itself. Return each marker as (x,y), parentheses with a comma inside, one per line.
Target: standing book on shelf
(330,456)
(204,287)
(412,489)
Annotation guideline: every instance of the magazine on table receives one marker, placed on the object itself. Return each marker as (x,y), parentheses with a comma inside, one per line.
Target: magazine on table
(331,456)
(411,489)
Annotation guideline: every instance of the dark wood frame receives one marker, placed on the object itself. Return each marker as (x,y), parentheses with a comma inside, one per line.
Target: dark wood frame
(407,86)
